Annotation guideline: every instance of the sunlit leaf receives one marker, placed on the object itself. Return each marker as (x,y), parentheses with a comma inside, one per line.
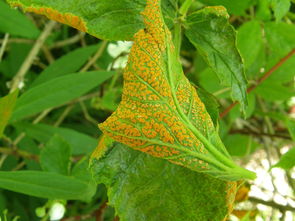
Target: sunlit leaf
(287,161)
(161,113)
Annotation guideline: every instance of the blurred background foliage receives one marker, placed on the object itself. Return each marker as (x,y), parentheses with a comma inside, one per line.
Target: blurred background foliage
(53,129)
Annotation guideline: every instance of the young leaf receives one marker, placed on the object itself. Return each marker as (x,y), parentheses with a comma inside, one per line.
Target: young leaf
(287,161)
(210,32)
(161,113)
(15,23)
(141,187)
(7,104)
(47,185)
(104,19)
(55,156)
(79,142)
(56,92)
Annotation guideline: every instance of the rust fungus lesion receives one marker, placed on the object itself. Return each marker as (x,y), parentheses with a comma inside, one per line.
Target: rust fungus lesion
(65,18)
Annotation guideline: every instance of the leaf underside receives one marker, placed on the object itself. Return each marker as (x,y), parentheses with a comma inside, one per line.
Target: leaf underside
(142,187)
(161,113)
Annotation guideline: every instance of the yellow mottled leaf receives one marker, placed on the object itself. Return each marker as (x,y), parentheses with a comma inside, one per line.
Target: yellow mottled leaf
(161,113)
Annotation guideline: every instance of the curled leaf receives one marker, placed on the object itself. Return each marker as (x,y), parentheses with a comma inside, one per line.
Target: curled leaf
(161,113)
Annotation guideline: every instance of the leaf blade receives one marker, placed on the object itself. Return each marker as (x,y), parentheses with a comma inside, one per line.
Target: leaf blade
(46,185)
(210,32)
(80,143)
(55,156)
(15,23)
(63,89)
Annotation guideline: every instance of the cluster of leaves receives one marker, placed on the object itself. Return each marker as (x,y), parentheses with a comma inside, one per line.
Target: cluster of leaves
(49,124)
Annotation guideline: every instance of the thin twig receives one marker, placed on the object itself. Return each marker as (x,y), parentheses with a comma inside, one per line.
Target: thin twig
(47,53)
(260,80)
(259,134)
(18,153)
(95,57)
(17,40)
(3,46)
(61,118)
(272,204)
(68,41)
(19,77)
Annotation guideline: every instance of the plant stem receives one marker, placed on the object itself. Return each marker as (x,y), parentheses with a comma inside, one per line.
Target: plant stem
(272,204)
(177,37)
(185,6)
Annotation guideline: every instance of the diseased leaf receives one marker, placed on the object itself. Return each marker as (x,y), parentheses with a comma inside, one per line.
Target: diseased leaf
(211,33)
(104,19)
(7,104)
(15,23)
(141,187)
(79,142)
(60,90)
(55,156)
(287,161)
(67,64)
(161,113)
(47,185)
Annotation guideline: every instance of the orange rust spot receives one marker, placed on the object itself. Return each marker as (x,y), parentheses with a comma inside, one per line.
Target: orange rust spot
(65,18)
(143,120)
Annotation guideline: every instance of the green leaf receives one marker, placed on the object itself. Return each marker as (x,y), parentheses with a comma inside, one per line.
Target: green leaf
(210,32)
(161,112)
(47,185)
(104,19)
(55,156)
(287,161)
(57,92)
(69,63)
(211,104)
(240,145)
(281,37)
(81,170)
(250,41)
(141,187)
(274,91)
(281,41)
(7,104)
(15,23)
(263,10)
(80,143)
(280,8)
